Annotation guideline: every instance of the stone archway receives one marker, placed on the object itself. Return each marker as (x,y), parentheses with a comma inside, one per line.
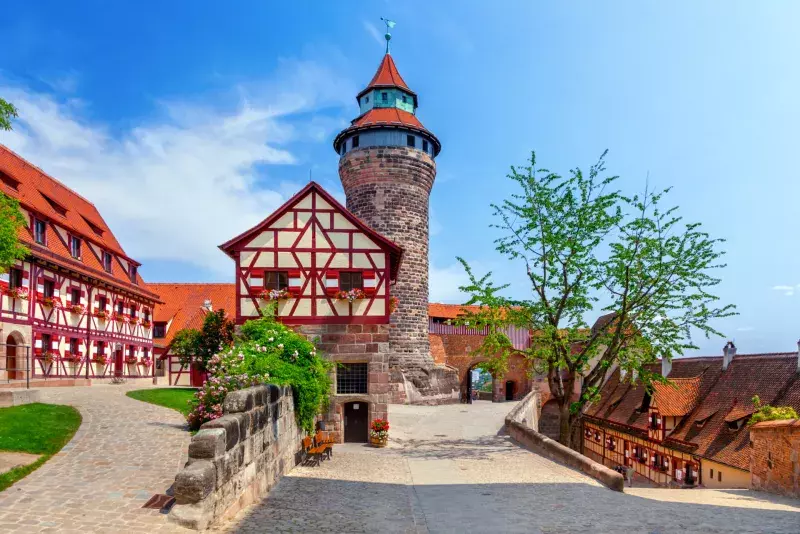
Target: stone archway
(550,419)
(467,391)
(14,364)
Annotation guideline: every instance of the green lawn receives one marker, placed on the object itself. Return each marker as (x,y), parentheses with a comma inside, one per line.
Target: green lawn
(174,398)
(35,429)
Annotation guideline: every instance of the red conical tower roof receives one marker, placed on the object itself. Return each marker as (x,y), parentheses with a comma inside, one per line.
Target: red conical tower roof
(387,75)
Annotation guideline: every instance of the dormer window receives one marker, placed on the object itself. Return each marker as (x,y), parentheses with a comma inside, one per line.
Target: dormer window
(39,231)
(58,208)
(9,182)
(75,247)
(107,261)
(95,228)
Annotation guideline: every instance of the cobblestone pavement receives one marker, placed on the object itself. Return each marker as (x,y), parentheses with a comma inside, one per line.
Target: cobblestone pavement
(450,469)
(124,452)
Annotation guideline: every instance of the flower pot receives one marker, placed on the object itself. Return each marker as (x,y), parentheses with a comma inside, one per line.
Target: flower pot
(378,442)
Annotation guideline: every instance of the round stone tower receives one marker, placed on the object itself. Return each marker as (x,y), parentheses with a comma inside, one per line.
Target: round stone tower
(387,170)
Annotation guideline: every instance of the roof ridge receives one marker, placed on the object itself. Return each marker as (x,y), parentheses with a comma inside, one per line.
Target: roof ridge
(43,173)
(192,283)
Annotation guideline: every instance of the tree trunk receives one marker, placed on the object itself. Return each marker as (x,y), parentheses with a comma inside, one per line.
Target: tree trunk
(564,420)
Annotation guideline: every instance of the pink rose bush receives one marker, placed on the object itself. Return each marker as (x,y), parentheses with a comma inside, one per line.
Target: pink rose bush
(265,352)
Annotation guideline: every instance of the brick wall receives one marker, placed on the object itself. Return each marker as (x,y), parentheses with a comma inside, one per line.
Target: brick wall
(354,343)
(237,459)
(775,457)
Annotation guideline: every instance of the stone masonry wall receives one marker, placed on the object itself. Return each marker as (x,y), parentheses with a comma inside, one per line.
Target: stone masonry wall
(237,459)
(354,343)
(775,457)
(388,188)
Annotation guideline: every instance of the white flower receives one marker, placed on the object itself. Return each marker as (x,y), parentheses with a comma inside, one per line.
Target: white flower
(280,345)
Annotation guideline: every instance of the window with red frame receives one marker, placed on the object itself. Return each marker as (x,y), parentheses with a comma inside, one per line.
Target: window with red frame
(75,247)
(49,289)
(39,231)
(350,280)
(73,345)
(276,280)
(74,296)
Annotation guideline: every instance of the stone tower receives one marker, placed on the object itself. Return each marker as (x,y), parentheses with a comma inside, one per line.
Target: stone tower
(387,167)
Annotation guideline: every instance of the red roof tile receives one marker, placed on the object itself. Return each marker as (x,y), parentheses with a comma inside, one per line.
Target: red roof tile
(183,305)
(57,204)
(678,397)
(387,75)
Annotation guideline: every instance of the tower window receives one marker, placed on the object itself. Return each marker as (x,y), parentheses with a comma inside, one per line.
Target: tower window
(384,97)
(366,100)
(404,99)
(411,141)
(351,378)
(424,145)
(355,141)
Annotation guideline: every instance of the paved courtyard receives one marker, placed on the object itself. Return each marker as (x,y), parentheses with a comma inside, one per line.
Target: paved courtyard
(448,469)
(124,452)
(451,469)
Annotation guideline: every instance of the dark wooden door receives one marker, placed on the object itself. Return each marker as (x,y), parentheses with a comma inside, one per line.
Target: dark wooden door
(356,422)
(197,377)
(118,369)
(11,358)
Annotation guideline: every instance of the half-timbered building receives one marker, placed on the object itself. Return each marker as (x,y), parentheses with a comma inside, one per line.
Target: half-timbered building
(692,430)
(76,307)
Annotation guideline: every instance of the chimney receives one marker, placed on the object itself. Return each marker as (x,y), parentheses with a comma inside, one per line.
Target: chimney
(666,366)
(727,355)
(207,305)
(798,355)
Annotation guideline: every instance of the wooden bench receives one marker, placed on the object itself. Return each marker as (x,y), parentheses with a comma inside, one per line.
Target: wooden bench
(325,440)
(314,454)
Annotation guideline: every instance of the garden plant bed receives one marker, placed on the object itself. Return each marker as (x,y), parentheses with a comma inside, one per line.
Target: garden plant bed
(173,398)
(40,430)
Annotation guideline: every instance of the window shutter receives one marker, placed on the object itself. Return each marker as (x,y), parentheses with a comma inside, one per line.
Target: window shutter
(83,298)
(37,344)
(55,344)
(370,282)
(56,291)
(5,280)
(80,348)
(256,282)
(26,282)
(331,282)
(40,286)
(295,281)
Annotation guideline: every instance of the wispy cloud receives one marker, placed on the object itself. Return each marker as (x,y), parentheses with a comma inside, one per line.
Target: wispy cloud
(786,290)
(745,329)
(175,187)
(374,32)
(445,281)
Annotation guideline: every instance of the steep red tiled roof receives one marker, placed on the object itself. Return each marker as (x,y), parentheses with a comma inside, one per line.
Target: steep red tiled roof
(387,116)
(449,311)
(678,397)
(723,398)
(183,305)
(387,75)
(52,201)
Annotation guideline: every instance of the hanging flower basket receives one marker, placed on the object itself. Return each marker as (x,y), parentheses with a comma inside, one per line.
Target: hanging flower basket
(47,359)
(77,309)
(379,433)
(393,303)
(101,314)
(275,294)
(120,318)
(146,362)
(352,295)
(20,293)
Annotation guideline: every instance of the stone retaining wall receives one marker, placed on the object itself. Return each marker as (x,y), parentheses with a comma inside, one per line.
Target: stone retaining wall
(522,425)
(237,459)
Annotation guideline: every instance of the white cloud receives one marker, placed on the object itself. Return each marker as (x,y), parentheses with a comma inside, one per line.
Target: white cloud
(444,284)
(787,290)
(745,329)
(374,32)
(174,188)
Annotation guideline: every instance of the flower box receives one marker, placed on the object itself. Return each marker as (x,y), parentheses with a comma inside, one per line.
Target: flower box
(275,294)
(77,309)
(101,314)
(131,360)
(51,302)
(146,362)
(120,318)
(147,323)
(352,295)
(18,293)
(73,358)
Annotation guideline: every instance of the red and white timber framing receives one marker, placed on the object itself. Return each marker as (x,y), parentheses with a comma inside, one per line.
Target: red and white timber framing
(313,240)
(80,328)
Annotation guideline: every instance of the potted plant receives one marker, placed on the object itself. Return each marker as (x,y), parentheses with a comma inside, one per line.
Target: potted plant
(379,433)
(146,362)
(100,361)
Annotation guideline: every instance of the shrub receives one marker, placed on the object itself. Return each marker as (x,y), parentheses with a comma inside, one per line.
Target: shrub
(770,413)
(266,352)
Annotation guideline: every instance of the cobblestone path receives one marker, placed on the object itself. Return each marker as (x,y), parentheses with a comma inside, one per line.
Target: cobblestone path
(449,469)
(124,452)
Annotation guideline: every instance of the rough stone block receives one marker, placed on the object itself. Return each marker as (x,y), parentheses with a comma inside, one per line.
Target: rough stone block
(274,393)
(231,425)
(208,443)
(195,482)
(239,401)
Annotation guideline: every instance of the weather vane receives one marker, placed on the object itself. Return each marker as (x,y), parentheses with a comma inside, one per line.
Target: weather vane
(389,25)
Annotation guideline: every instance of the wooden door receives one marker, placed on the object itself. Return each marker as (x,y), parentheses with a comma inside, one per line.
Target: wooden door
(356,422)
(118,363)
(11,359)
(510,390)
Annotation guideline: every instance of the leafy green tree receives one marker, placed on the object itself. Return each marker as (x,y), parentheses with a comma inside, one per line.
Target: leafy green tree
(588,249)
(11,220)
(7,113)
(199,346)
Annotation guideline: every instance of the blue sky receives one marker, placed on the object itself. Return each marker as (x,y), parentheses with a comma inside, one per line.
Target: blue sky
(186,123)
